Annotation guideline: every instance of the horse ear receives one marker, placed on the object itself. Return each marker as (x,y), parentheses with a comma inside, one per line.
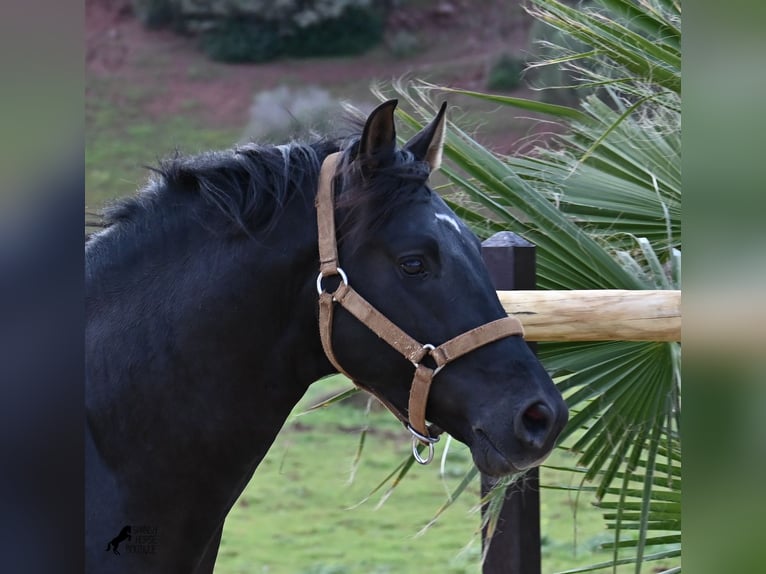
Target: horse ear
(378,141)
(427,144)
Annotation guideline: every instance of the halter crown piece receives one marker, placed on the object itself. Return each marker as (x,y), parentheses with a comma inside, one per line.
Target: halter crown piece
(412,350)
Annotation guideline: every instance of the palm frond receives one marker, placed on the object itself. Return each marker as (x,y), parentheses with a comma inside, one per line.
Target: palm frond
(602,203)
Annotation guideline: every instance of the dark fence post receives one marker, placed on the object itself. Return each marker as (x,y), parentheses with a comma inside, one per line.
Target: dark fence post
(515,546)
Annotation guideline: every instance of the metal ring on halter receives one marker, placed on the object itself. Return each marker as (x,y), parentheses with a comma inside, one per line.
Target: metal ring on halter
(427,347)
(416,454)
(339,271)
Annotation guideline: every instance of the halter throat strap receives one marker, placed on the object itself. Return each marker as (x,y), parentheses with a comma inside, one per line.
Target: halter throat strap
(411,349)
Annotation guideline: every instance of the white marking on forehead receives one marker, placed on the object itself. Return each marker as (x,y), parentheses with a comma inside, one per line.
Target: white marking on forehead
(448,219)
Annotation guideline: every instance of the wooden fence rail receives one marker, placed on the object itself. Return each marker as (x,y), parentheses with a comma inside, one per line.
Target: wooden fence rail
(596,315)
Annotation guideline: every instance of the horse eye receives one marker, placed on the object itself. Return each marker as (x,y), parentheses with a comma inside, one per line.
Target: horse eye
(412,266)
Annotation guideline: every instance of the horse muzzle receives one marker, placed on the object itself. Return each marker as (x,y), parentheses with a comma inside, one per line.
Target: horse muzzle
(522,442)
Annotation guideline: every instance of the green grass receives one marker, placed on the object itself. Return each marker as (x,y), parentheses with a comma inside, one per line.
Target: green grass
(121,140)
(300,515)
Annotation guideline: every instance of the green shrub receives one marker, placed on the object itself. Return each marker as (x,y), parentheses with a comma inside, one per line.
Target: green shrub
(242,40)
(154,14)
(505,74)
(262,30)
(355,31)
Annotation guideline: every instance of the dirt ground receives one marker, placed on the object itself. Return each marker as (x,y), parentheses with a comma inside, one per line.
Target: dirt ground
(460,39)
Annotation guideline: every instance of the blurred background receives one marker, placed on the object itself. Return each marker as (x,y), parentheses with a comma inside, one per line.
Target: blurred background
(104,73)
(163,76)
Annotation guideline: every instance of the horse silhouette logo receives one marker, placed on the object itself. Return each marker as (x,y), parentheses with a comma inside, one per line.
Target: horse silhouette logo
(115,542)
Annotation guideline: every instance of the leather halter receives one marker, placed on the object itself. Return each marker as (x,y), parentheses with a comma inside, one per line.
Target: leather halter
(412,350)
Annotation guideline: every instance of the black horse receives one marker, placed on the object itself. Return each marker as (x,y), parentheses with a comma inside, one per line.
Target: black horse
(202,333)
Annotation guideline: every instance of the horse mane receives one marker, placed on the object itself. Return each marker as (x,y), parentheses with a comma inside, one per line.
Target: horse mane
(247,184)
(250,184)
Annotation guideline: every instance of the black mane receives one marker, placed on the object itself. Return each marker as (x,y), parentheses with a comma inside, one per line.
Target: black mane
(250,184)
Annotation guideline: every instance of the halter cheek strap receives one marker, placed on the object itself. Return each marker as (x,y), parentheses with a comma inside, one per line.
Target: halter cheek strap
(412,350)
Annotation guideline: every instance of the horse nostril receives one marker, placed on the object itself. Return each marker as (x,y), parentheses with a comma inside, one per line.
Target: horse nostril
(536,412)
(533,424)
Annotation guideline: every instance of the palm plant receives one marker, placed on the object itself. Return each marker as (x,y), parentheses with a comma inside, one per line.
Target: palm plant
(602,203)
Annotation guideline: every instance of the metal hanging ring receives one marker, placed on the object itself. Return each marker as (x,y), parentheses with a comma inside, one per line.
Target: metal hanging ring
(416,453)
(428,347)
(338,271)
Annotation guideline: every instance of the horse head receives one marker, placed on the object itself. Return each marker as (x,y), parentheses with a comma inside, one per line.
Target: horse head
(405,251)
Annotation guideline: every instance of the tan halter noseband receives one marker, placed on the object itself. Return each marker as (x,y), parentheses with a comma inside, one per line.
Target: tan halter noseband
(412,350)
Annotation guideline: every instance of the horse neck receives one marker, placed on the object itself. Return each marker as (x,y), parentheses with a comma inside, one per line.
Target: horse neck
(203,352)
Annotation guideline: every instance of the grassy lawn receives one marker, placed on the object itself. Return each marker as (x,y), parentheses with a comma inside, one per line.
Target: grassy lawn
(121,141)
(300,514)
